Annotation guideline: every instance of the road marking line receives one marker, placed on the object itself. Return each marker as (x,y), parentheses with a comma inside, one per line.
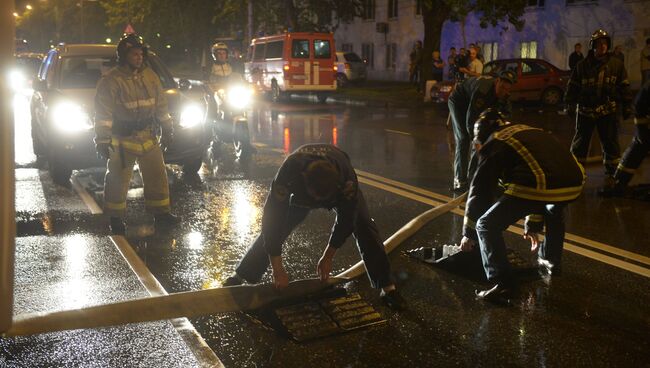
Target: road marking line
(203,353)
(205,356)
(517,230)
(412,188)
(86,197)
(397,132)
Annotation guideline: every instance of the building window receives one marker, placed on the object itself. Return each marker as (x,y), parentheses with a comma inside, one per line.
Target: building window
(368,12)
(579,2)
(529,49)
(391,56)
(418,7)
(347,47)
(392,9)
(368,54)
(490,51)
(535,3)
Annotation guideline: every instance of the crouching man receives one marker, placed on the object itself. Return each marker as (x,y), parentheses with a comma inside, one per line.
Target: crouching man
(316,176)
(540,178)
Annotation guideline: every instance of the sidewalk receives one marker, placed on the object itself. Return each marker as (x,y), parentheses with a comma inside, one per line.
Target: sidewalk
(67,265)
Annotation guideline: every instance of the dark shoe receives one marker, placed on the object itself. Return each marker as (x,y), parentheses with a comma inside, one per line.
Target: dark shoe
(499,294)
(393,300)
(118,226)
(232,280)
(460,189)
(166,219)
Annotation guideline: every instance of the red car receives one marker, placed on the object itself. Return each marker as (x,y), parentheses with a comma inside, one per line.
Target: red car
(537,80)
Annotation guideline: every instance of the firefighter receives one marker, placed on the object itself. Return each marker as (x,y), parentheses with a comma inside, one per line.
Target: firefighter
(539,176)
(222,71)
(468,100)
(597,89)
(129,105)
(638,149)
(316,176)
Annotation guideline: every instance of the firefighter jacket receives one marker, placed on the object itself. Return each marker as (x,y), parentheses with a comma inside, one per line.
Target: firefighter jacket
(289,190)
(642,105)
(476,94)
(527,163)
(127,105)
(599,86)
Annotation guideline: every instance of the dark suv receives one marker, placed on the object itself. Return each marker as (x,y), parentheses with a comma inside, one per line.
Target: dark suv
(62,110)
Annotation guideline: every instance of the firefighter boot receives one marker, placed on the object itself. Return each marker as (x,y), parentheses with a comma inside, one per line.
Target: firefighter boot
(118,226)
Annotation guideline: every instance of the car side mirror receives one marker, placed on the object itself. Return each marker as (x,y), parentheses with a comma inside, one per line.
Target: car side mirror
(39,84)
(184,84)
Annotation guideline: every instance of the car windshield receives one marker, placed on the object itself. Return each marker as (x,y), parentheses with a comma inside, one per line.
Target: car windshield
(351,56)
(166,78)
(29,65)
(84,71)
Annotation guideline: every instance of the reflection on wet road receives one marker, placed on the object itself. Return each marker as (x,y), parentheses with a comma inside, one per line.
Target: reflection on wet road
(593,315)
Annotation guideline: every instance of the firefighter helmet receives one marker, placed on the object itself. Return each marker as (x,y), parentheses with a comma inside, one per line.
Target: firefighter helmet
(598,34)
(127,42)
(218,46)
(487,123)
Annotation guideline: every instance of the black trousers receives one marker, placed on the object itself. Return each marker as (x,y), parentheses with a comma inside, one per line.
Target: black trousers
(464,167)
(634,154)
(607,127)
(507,211)
(371,247)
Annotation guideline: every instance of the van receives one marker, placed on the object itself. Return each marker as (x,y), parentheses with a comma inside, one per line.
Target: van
(293,62)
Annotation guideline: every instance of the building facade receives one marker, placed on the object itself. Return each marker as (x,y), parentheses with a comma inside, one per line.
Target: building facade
(387,30)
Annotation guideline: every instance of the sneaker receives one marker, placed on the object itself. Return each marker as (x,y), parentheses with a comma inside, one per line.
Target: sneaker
(460,189)
(117,226)
(232,280)
(548,268)
(166,219)
(499,294)
(393,300)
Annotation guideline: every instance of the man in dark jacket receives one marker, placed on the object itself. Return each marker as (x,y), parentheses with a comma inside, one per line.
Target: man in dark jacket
(466,102)
(638,149)
(597,89)
(540,177)
(576,56)
(316,176)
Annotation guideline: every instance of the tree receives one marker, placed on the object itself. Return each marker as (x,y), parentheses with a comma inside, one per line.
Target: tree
(491,12)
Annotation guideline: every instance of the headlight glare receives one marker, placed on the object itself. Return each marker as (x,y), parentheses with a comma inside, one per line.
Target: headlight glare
(17,80)
(69,117)
(239,97)
(191,115)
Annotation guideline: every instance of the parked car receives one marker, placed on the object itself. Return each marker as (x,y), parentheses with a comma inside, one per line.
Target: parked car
(62,109)
(349,68)
(24,71)
(291,62)
(537,80)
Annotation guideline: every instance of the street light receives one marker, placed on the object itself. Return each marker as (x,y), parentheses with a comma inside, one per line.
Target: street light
(28,7)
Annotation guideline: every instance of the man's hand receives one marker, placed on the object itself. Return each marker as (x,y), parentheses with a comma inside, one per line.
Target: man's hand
(280,276)
(104,150)
(467,244)
(534,240)
(324,267)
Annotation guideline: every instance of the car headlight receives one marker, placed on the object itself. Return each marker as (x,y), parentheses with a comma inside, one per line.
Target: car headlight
(445,89)
(17,80)
(191,115)
(69,117)
(239,97)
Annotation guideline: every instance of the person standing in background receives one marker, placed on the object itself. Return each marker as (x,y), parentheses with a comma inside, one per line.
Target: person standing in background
(575,56)
(437,66)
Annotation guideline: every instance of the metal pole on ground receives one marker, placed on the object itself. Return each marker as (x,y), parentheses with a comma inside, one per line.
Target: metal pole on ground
(7,175)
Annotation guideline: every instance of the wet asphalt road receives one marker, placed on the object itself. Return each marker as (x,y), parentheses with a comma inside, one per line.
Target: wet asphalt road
(595,314)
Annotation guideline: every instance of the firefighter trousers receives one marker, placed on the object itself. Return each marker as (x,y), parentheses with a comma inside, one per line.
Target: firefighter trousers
(607,127)
(634,154)
(118,176)
(256,260)
(507,211)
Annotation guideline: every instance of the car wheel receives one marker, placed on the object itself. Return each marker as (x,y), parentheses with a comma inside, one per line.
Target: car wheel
(341,80)
(59,172)
(192,166)
(242,141)
(552,96)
